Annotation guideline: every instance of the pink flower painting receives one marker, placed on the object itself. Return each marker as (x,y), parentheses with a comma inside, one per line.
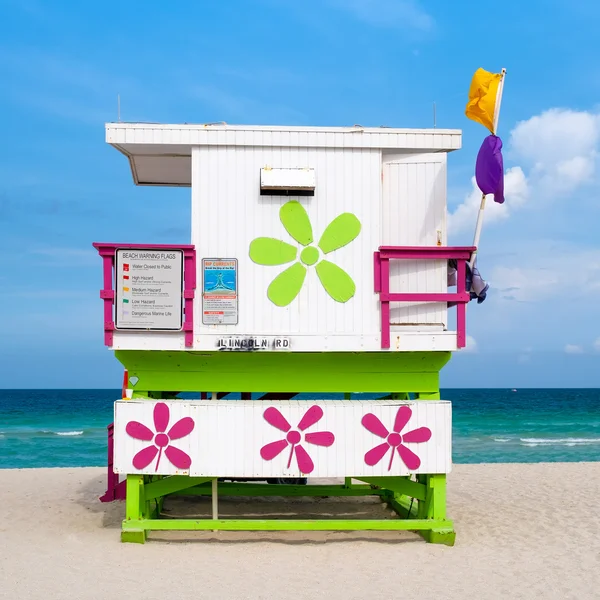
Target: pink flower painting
(296,437)
(395,439)
(161,439)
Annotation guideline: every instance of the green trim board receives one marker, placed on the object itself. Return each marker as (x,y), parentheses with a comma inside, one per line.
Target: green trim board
(283,525)
(327,372)
(171,485)
(282,489)
(400,485)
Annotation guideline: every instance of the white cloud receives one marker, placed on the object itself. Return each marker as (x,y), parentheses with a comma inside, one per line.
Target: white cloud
(471,345)
(516,192)
(573,349)
(597,344)
(557,153)
(388,13)
(541,271)
(560,147)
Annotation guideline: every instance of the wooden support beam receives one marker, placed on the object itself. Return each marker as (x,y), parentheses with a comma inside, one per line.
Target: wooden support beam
(287,525)
(278,396)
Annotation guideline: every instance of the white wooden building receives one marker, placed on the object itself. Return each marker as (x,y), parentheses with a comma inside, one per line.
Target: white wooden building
(393,181)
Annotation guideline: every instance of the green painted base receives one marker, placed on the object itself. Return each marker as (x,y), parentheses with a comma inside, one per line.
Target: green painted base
(446,537)
(419,504)
(280,372)
(133,536)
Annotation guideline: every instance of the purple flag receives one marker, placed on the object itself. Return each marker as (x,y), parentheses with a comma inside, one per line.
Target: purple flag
(489,169)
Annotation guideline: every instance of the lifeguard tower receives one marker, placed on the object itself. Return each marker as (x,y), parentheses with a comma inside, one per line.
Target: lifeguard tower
(318,264)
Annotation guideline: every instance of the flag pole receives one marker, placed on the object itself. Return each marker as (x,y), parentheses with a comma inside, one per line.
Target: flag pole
(499,100)
(482,204)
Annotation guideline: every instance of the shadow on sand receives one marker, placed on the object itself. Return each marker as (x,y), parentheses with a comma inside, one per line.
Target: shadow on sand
(272,507)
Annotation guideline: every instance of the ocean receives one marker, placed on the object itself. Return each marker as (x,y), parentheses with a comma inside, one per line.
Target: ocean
(67,428)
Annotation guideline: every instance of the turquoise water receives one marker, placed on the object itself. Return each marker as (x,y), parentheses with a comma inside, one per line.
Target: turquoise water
(67,428)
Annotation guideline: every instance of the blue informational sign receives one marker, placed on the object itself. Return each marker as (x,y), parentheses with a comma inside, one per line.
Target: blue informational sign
(219,291)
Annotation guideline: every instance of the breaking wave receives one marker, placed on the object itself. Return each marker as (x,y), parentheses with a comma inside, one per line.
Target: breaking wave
(558,441)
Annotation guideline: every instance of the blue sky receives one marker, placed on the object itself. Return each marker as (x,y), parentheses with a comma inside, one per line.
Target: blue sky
(326,62)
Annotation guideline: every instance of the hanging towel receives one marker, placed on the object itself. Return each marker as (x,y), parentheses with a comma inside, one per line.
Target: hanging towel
(475,284)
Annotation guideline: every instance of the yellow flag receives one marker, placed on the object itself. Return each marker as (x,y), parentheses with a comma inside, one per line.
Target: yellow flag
(482,98)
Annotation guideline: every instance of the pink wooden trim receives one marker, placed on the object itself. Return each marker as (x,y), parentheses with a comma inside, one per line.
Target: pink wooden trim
(418,297)
(104,248)
(189,285)
(461,308)
(115,489)
(125,384)
(108,295)
(377,271)
(427,249)
(459,299)
(425,252)
(385,305)
(108,252)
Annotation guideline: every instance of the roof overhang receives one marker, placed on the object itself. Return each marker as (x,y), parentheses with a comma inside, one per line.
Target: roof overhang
(162,154)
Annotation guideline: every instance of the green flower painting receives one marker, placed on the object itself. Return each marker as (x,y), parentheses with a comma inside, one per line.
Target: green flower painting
(287,285)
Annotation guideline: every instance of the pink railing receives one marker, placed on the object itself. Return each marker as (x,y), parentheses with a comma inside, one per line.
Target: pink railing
(460,298)
(115,489)
(108,253)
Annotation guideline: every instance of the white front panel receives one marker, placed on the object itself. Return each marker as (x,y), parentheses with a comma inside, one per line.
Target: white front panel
(414,214)
(228,213)
(127,446)
(240,439)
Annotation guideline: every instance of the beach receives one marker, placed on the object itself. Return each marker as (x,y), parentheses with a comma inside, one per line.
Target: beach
(523,531)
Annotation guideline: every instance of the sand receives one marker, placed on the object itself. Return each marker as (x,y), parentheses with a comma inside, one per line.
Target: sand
(523,531)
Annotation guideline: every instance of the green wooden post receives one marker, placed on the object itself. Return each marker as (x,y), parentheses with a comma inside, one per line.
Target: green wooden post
(134,506)
(422,504)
